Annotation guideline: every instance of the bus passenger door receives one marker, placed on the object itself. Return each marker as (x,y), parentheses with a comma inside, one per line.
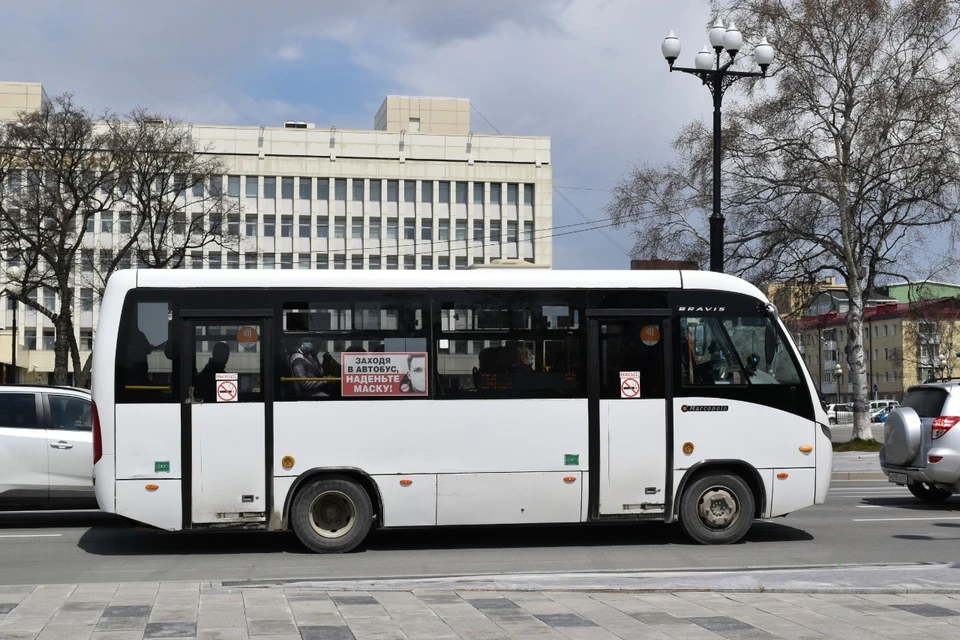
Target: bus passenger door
(226,415)
(629,415)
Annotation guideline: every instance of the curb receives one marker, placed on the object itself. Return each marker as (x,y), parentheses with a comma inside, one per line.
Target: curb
(858,475)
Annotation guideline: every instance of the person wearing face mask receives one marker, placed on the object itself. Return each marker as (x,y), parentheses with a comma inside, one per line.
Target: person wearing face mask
(304,364)
(524,363)
(415,380)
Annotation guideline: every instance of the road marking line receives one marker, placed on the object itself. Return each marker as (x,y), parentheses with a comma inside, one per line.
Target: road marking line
(31,535)
(869,506)
(903,519)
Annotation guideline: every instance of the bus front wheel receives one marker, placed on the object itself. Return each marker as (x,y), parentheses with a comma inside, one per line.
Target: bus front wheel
(717,509)
(331,515)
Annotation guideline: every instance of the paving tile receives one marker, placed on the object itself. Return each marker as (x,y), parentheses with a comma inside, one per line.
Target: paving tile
(20,635)
(7,607)
(493,604)
(326,633)
(926,610)
(70,607)
(307,596)
(127,611)
(117,635)
(227,634)
(353,600)
(122,624)
(556,620)
(271,627)
(66,632)
(170,630)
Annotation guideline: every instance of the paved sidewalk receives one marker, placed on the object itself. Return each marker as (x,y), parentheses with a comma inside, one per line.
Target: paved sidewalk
(212,611)
(857,465)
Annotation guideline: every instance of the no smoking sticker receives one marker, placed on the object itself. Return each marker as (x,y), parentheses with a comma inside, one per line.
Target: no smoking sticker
(629,384)
(226,387)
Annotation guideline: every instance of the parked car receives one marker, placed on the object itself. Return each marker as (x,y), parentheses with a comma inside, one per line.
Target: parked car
(46,448)
(920,449)
(837,413)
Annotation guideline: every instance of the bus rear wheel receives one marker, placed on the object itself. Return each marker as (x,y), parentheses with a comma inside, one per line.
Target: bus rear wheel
(331,515)
(717,509)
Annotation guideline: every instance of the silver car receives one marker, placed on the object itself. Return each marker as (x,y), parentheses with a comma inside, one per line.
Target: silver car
(46,448)
(921,449)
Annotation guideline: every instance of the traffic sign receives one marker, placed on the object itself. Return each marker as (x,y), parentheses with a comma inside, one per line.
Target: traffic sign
(876,387)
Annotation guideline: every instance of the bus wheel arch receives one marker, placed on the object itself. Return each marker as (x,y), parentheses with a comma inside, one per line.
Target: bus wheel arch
(358,476)
(733,483)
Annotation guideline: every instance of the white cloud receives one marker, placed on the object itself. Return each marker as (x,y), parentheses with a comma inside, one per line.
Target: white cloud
(290,52)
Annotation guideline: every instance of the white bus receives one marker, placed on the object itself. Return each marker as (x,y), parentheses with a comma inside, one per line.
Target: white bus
(333,402)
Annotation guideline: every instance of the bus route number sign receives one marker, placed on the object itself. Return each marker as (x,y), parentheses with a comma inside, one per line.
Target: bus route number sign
(629,384)
(227,387)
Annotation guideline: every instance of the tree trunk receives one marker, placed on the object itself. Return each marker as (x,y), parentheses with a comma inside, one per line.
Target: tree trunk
(61,349)
(856,364)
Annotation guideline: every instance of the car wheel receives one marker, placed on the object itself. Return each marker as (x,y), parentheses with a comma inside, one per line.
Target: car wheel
(332,515)
(717,509)
(929,493)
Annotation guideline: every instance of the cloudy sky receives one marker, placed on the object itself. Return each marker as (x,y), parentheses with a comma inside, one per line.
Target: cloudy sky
(587,73)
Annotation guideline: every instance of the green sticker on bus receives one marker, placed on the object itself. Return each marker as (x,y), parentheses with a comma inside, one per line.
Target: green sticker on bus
(571,459)
(161,466)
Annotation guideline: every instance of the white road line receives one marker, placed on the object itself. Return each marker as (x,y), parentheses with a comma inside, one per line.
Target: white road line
(903,519)
(31,535)
(869,506)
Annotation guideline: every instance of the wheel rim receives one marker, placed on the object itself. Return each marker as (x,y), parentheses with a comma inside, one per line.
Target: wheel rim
(332,514)
(718,508)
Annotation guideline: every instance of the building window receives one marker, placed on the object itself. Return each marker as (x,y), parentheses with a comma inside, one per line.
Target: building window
(443,231)
(249,261)
(357,190)
(376,191)
(323,228)
(286,226)
(340,189)
(374,228)
(196,260)
(461,230)
(426,191)
(233,186)
(392,229)
(286,261)
(269,261)
(409,262)
(49,340)
(885,330)
(303,261)
(198,187)
(426,229)
(356,228)
(392,263)
(393,188)
(106,222)
(252,186)
(339,261)
(893,330)
(876,354)
(511,231)
(323,261)
(233,260)
(886,376)
(214,260)
(478,230)
(528,232)
(86,339)
(512,194)
(886,353)
(461,263)
(426,262)
(30,339)
(286,188)
(444,193)
(461,190)
(270,188)
(339,228)
(409,190)
(303,226)
(443,263)
(494,231)
(374,263)
(233,224)
(495,193)
(86,299)
(323,189)
(306,188)
(478,193)
(876,331)
(528,195)
(50,299)
(269,226)
(409,229)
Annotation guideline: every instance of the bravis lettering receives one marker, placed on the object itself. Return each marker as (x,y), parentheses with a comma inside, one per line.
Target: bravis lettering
(703,309)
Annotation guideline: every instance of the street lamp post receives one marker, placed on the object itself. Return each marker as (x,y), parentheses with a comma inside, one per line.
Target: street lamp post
(838,373)
(14,289)
(940,363)
(718,78)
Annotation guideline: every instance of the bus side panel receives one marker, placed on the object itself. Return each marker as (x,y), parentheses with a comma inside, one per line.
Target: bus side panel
(382,437)
(792,492)
(411,505)
(508,498)
(148,441)
(160,507)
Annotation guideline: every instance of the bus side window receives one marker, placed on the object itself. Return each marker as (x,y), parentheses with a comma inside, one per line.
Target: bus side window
(145,354)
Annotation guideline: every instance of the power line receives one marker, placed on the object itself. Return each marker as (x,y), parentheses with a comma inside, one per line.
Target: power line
(474,107)
(584,216)
(582,188)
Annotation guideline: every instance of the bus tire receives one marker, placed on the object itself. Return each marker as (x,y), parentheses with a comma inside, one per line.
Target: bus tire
(331,515)
(717,508)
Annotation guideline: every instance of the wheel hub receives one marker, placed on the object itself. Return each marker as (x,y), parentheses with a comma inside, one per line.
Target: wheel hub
(332,514)
(717,508)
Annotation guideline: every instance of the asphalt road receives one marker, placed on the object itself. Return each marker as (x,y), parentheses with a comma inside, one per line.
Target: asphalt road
(862,522)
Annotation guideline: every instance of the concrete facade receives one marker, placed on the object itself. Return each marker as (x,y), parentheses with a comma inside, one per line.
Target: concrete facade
(325,198)
(16,97)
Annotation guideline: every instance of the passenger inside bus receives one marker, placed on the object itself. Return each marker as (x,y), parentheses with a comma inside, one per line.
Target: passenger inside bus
(205,382)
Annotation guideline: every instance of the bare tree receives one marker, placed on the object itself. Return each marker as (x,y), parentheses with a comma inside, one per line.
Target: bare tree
(157,195)
(844,162)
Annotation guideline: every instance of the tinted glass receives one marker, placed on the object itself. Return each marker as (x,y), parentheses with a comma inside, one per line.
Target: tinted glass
(926,402)
(18,410)
(69,413)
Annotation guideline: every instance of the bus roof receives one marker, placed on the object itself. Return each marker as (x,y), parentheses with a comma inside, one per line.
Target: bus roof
(459,279)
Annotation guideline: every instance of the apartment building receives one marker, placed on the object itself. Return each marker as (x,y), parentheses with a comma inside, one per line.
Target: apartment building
(419,191)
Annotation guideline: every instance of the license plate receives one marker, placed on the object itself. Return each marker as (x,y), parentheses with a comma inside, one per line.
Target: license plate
(899,478)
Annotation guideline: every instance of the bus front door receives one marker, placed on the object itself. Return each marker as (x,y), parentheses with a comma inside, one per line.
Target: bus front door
(629,415)
(226,421)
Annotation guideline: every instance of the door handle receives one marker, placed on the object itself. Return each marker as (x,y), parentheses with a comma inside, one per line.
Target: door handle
(61,445)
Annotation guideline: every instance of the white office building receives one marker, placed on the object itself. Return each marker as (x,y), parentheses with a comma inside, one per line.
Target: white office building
(418,191)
